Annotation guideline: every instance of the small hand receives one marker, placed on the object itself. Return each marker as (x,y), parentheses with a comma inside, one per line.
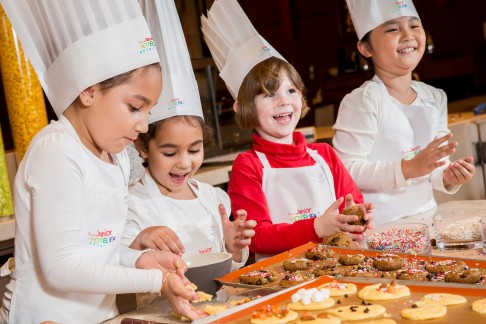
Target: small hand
(459,172)
(238,233)
(367,209)
(179,297)
(158,238)
(428,159)
(332,221)
(163,260)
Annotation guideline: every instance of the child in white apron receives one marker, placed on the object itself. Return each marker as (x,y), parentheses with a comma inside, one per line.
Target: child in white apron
(168,210)
(102,78)
(391,133)
(293,190)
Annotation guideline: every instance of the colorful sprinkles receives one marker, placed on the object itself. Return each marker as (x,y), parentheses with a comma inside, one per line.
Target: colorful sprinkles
(407,240)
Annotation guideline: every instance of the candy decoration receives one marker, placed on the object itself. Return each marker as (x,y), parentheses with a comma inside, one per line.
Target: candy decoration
(23,92)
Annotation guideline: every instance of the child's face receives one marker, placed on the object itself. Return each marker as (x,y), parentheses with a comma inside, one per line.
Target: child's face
(279,112)
(397,46)
(119,114)
(175,154)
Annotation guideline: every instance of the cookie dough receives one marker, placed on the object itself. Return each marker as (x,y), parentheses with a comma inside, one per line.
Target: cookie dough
(445,266)
(442,299)
(295,278)
(354,210)
(425,312)
(214,309)
(357,312)
(351,259)
(384,292)
(339,239)
(469,276)
(340,288)
(479,306)
(319,252)
(273,315)
(317,319)
(311,299)
(387,262)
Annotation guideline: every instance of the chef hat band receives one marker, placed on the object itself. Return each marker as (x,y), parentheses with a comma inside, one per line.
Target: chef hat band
(180,94)
(235,45)
(369,14)
(74,44)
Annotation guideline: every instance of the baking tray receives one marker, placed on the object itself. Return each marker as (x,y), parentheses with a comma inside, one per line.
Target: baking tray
(275,263)
(455,313)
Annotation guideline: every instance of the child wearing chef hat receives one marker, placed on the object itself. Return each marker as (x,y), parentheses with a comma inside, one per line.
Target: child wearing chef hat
(287,186)
(165,204)
(99,68)
(391,133)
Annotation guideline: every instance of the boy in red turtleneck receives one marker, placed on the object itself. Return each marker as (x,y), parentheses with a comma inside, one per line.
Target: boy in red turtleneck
(293,190)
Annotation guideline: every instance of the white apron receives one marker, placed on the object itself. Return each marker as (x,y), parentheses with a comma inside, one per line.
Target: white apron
(294,194)
(99,241)
(416,126)
(201,236)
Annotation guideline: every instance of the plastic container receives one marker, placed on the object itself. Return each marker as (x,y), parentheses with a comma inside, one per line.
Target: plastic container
(412,238)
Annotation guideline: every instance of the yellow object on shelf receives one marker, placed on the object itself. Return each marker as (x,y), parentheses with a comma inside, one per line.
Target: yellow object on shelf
(6,206)
(23,92)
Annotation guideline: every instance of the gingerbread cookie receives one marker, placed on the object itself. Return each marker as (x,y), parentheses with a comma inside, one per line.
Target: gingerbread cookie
(384,291)
(357,312)
(354,210)
(425,312)
(339,239)
(319,252)
(258,277)
(297,264)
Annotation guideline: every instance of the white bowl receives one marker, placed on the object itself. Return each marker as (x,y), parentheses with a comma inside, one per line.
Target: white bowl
(203,268)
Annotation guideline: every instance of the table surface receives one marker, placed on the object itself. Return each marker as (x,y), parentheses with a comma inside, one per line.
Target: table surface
(160,311)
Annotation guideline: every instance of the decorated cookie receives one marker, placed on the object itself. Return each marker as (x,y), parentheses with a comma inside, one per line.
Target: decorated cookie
(295,278)
(479,306)
(319,252)
(387,262)
(273,315)
(384,291)
(311,299)
(323,266)
(413,274)
(351,259)
(339,239)
(425,312)
(442,299)
(354,210)
(340,288)
(445,266)
(297,264)
(469,276)
(357,312)
(258,277)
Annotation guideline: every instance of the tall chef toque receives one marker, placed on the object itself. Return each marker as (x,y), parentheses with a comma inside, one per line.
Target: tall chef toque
(235,45)
(180,94)
(75,44)
(369,14)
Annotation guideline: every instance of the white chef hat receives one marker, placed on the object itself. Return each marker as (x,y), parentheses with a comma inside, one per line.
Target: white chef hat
(75,44)
(235,45)
(369,14)
(180,93)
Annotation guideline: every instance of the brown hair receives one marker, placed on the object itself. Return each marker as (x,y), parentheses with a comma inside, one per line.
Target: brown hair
(143,139)
(264,78)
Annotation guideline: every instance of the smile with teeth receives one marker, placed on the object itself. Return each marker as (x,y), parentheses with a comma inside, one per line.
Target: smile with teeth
(284,115)
(407,50)
(178,177)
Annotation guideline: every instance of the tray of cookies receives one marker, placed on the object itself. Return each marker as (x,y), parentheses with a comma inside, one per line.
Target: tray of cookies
(328,300)
(313,260)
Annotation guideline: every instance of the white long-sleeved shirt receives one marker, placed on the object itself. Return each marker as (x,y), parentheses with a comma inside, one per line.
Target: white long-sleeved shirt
(70,210)
(374,132)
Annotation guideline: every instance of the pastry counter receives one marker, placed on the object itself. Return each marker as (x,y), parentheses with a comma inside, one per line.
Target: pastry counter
(160,312)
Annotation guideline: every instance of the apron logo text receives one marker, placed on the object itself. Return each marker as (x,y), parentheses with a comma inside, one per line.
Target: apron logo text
(206,250)
(407,155)
(300,214)
(102,238)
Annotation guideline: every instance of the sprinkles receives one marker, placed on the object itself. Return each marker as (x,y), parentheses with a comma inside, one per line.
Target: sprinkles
(406,240)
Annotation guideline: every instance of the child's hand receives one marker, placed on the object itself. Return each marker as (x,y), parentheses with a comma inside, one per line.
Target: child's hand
(238,233)
(366,208)
(163,260)
(459,172)
(427,160)
(158,238)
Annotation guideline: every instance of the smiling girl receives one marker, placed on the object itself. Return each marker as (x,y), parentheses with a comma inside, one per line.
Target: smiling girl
(391,133)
